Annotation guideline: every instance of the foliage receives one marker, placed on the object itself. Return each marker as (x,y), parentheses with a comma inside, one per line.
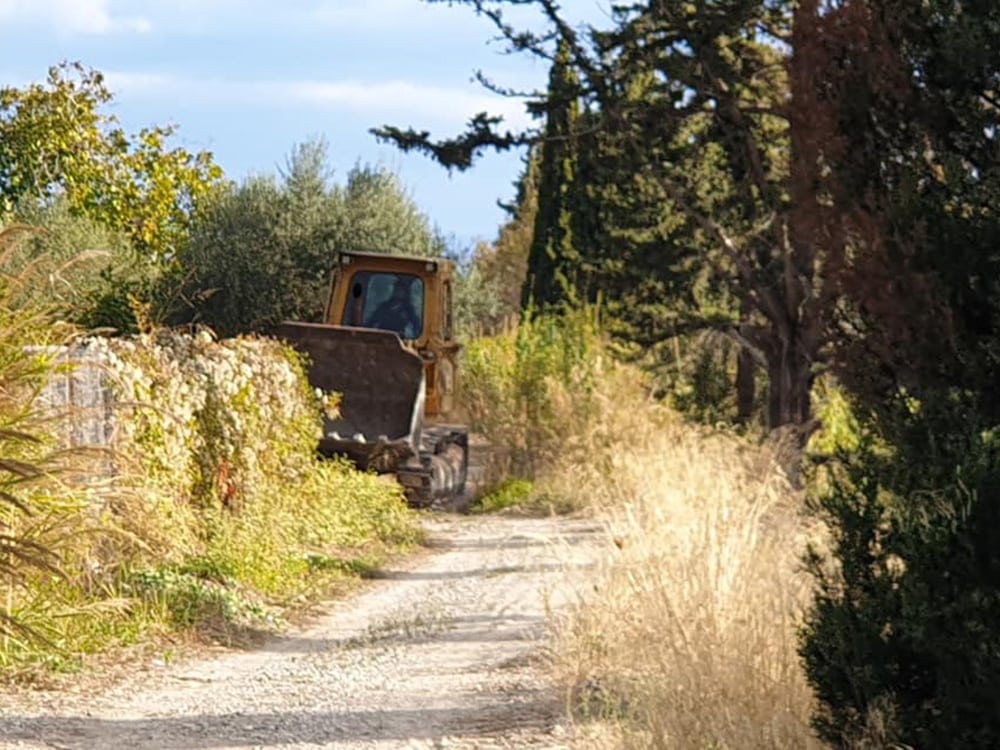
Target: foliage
(233,418)
(899,638)
(376,213)
(553,258)
(217,510)
(459,152)
(55,141)
(698,383)
(250,262)
(819,181)
(262,252)
(527,390)
(76,264)
(492,281)
(509,494)
(665,158)
(187,599)
(897,645)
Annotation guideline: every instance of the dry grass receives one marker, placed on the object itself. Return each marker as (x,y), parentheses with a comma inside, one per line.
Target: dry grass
(689,637)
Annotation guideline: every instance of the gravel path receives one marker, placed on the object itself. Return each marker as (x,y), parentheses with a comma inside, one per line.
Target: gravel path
(446,650)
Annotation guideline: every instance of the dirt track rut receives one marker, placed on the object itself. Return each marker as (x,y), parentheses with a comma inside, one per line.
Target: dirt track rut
(446,650)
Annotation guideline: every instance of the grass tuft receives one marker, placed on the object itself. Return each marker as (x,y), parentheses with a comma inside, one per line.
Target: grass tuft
(689,636)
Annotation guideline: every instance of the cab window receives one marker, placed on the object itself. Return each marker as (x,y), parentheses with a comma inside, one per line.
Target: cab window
(388,301)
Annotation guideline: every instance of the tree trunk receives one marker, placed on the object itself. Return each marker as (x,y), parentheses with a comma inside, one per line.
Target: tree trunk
(790,377)
(746,370)
(746,386)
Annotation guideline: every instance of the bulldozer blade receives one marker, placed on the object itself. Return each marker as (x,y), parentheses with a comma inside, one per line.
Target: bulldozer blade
(382,385)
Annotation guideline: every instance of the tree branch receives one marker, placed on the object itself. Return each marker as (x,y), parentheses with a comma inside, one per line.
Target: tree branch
(459,152)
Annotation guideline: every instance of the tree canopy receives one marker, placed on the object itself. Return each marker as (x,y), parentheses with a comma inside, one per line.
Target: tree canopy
(57,141)
(262,251)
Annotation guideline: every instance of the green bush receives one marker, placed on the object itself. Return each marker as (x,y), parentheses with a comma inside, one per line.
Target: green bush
(528,390)
(901,643)
(187,599)
(510,493)
(700,385)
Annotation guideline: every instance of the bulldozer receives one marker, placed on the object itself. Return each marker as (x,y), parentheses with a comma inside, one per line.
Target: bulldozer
(387,345)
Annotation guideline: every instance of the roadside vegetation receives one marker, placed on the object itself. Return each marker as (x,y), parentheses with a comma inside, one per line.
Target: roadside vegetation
(689,636)
(207,516)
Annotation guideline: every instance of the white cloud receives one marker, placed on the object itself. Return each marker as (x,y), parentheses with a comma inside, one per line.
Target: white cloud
(386,17)
(72,16)
(403,97)
(380,14)
(414,101)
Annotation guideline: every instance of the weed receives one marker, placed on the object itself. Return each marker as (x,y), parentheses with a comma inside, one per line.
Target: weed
(527,390)
(188,600)
(511,493)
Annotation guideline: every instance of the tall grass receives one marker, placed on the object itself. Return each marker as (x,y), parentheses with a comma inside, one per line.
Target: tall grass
(688,636)
(39,505)
(526,390)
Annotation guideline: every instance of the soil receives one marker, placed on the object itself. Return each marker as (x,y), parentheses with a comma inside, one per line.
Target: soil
(446,649)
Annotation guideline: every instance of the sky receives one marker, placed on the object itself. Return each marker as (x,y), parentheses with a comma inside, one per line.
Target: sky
(249,79)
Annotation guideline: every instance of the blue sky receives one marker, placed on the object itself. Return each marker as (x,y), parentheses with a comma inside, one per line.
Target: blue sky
(248,79)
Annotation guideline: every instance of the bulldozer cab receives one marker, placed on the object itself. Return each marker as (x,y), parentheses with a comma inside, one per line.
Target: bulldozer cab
(411,297)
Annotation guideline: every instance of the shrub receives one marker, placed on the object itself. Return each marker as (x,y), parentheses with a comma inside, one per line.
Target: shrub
(528,390)
(218,511)
(900,643)
(210,421)
(699,383)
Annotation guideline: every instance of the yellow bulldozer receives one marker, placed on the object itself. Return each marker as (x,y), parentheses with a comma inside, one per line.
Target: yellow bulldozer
(387,344)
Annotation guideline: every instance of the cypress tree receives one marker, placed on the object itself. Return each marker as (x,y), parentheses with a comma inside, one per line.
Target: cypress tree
(553,259)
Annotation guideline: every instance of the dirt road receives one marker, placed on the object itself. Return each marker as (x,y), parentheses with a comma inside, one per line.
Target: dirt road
(446,650)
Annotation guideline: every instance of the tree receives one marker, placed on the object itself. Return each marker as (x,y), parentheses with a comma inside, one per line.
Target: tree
(904,131)
(377,214)
(70,258)
(690,110)
(55,142)
(240,271)
(493,280)
(554,256)
(262,251)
